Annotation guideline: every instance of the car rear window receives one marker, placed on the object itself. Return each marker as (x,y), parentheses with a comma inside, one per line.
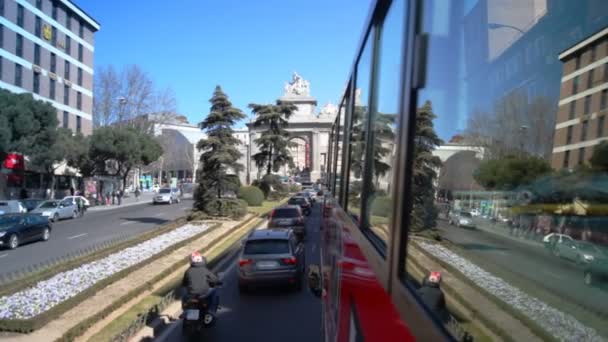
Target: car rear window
(296,201)
(164,191)
(465,214)
(285,213)
(273,246)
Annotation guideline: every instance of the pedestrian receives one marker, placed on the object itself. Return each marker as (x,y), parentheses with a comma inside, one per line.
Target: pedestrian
(119,196)
(71,191)
(80,204)
(113,197)
(432,296)
(137,194)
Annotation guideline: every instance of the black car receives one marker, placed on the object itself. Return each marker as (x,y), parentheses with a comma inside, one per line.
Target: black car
(290,217)
(31,203)
(306,195)
(16,229)
(302,202)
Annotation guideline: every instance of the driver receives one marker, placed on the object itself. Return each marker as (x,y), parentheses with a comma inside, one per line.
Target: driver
(199,281)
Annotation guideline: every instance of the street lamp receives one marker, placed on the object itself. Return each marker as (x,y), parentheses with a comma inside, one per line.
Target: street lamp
(494,26)
(122,101)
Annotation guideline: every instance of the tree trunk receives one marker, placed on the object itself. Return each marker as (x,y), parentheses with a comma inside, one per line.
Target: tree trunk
(52,194)
(269,167)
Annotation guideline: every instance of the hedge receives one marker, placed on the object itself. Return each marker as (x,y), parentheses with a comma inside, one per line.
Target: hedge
(382,206)
(29,325)
(226,207)
(252,195)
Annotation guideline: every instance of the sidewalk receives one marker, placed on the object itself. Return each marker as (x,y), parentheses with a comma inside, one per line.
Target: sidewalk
(145,197)
(503,231)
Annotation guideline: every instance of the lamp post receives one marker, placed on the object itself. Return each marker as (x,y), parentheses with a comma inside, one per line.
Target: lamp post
(494,26)
(122,101)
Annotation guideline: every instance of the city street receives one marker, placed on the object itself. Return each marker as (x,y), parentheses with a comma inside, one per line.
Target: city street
(96,227)
(271,314)
(532,265)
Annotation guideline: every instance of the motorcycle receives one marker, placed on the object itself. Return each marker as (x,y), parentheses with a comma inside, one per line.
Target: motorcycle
(197,313)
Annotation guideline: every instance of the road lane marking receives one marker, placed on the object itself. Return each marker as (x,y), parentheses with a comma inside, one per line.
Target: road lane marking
(77,236)
(3,255)
(159,214)
(127,222)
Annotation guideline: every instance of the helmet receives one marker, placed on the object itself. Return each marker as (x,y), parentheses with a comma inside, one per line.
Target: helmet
(196,257)
(435,278)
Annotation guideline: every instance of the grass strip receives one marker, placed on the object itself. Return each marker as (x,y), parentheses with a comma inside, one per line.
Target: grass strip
(81,327)
(49,272)
(531,324)
(151,306)
(34,323)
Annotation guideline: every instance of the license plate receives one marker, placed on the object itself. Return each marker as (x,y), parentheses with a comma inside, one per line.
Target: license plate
(267,264)
(192,315)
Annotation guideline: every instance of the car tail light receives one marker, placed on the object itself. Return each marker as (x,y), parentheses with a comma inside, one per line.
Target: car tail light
(272,213)
(289,261)
(243,262)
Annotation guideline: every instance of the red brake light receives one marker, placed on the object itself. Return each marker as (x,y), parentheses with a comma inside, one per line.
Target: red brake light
(289,261)
(272,213)
(243,262)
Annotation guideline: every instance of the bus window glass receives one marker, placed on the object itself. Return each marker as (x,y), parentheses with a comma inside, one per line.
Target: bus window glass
(384,123)
(525,228)
(359,117)
(338,143)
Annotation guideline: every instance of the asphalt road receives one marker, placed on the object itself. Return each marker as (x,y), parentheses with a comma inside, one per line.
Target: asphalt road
(534,265)
(271,314)
(70,236)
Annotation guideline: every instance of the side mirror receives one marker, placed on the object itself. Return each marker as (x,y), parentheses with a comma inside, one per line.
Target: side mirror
(314,280)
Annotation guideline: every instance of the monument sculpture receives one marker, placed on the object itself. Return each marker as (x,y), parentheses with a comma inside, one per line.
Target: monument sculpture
(297,87)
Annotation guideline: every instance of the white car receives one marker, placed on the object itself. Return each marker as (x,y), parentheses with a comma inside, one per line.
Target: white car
(475,212)
(12,207)
(75,199)
(166,195)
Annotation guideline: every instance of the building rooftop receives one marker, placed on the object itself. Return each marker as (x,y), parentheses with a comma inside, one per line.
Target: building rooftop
(76,9)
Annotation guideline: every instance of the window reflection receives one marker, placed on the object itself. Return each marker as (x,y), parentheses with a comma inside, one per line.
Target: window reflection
(511,161)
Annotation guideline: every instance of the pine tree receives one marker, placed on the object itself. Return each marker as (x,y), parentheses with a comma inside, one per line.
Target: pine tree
(424,212)
(220,154)
(274,141)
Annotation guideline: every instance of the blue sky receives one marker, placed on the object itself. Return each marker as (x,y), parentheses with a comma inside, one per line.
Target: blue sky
(250,48)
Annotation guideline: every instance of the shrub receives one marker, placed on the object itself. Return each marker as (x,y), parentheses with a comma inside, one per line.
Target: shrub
(277,195)
(382,206)
(252,195)
(293,188)
(270,183)
(226,207)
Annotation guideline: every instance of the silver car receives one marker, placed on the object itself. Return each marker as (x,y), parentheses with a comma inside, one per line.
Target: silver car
(166,195)
(55,210)
(12,207)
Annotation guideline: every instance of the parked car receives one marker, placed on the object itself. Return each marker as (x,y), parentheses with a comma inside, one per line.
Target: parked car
(306,194)
(166,195)
(302,202)
(270,257)
(475,212)
(581,252)
(289,217)
(54,210)
(84,200)
(551,240)
(597,268)
(16,229)
(12,207)
(31,203)
(461,219)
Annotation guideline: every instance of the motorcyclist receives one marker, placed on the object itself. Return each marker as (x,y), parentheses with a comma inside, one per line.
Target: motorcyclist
(432,296)
(199,281)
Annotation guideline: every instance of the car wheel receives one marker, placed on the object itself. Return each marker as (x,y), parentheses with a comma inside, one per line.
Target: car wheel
(55,217)
(170,201)
(75,215)
(588,278)
(46,234)
(13,241)
(556,252)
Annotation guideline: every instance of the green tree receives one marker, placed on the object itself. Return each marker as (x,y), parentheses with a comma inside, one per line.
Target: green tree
(599,158)
(510,172)
(220,152)
(274,141)
(424,212)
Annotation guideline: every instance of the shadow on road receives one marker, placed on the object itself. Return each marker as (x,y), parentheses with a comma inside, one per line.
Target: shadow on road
(482,247)
(153,220)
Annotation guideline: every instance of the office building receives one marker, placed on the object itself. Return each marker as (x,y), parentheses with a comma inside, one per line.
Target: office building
(47,48)
(583,105)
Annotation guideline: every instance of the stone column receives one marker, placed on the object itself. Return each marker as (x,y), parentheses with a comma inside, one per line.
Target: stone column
(315,160)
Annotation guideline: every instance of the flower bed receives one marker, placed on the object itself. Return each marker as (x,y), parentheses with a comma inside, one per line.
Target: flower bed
(561,325)
(51,292)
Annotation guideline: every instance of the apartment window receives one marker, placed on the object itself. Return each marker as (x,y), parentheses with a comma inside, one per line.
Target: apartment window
(54,37)
(2,7)
(38,27)
(36,54)
(18,71)
(79,76)
(66,95)
(575,85)
(566,159)
(66,119)
(54,13)
(52,89)
(604,99)
(66,69)
(569,136)
(81,30)
(79,100)
(36,83)
(78,124)
(600,126)
(593,53)
(590,79)
(68,21)
(578,62)
(53,62)
(68,45)
(584,129)
(581,155)
(606,71)
(572,113)
(39,4)
(80,52)
(20,15)
(588,104)
(19,45)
